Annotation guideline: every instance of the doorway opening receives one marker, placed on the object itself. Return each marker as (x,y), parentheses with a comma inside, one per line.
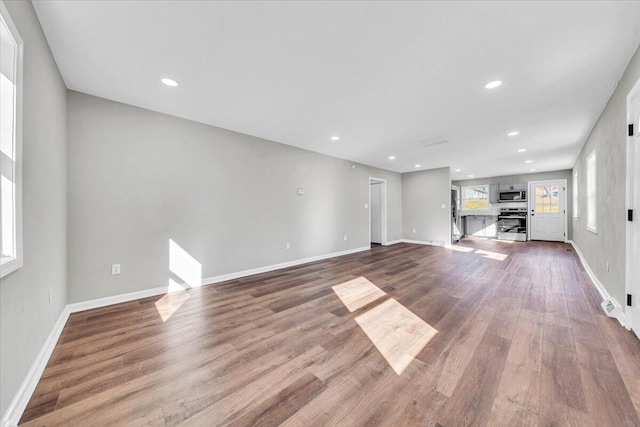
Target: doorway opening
(632,310)
(548,210)
(377,211)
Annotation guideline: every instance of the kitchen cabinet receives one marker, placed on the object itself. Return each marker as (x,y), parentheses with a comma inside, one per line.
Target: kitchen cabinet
(507,186)
(493,193)
(475,225)
(481,225)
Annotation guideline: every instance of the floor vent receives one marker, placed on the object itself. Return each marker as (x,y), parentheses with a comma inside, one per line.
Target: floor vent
(569,250)
(611,307)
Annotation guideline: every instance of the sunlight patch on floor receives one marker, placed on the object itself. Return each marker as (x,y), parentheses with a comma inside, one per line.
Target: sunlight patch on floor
(492,255)
(459,248)
(511,242)
(357,293)
(397,333)
(171,302)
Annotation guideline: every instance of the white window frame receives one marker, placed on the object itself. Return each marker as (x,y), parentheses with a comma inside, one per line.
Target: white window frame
(17,261)
(592,186)
(575,200)
(463,199)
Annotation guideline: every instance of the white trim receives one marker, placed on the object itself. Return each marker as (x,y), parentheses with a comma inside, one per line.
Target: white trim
(383,214)
(630,202)
(18,260)
(21,399)
(132,296)
(427,242)
(394,242)
(593,155)
(617,313)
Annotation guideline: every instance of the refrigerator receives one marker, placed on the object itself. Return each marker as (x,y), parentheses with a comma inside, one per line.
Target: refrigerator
(456,223)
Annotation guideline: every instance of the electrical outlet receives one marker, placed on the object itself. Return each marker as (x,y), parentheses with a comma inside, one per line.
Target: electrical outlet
(50,295)
(345,237)
(443,206)
(414,231)
(607,266)
(366,206)
(115,269)
(288,246)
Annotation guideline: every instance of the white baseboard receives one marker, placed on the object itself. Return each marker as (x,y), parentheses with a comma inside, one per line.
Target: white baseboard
(426,242)
(268,268)
(393,242)
(21,399)
(617,313)
(19,403)
(132,296)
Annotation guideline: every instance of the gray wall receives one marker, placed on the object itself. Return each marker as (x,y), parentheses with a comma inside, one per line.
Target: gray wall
(423,193)
(540,176)
(609,139)
(139,178)
(26,316)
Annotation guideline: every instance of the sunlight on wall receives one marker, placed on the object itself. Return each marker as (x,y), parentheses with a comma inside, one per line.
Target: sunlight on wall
(172,301)
(357,293)
(184,265)
(398,334)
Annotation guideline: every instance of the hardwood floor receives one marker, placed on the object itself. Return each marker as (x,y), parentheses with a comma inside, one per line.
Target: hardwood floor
(488,333)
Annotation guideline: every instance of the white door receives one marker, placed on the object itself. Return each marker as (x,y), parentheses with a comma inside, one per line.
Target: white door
(376,212)
(633,313)
(547,210)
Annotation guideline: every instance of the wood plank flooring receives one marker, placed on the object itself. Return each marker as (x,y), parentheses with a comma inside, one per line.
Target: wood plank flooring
(487,333)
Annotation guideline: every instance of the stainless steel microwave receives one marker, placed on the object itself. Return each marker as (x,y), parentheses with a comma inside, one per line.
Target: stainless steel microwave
(512,196)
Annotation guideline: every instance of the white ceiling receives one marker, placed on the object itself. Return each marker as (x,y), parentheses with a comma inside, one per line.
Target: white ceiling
(381,75)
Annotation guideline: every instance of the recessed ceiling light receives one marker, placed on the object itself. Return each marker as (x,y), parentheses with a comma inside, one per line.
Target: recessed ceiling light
(392,157)
(470,176)
(522,150)
(458,170)
(514,133)
(335,138)
(418,165)
(528,161)
(493,84)
(532,170)
(170,82)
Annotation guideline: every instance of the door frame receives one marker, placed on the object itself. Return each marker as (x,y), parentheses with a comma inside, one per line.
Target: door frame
(531,200)
(383,209)
(633,170)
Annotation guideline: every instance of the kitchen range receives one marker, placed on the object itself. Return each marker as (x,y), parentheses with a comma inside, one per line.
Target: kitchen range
(512,224)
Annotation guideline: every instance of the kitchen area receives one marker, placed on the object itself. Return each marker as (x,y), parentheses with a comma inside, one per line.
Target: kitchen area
(497,210)
(500,207)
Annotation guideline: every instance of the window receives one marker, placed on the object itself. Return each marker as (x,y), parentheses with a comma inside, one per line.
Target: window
(547,199)
(475,198)
(591,192)
(575,195)
(10,145)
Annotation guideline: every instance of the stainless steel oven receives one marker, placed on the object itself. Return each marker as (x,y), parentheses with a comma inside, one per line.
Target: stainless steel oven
(512,224)
(512,196)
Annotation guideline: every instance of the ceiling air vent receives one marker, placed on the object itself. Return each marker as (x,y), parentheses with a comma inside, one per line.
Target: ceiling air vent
(430,142)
